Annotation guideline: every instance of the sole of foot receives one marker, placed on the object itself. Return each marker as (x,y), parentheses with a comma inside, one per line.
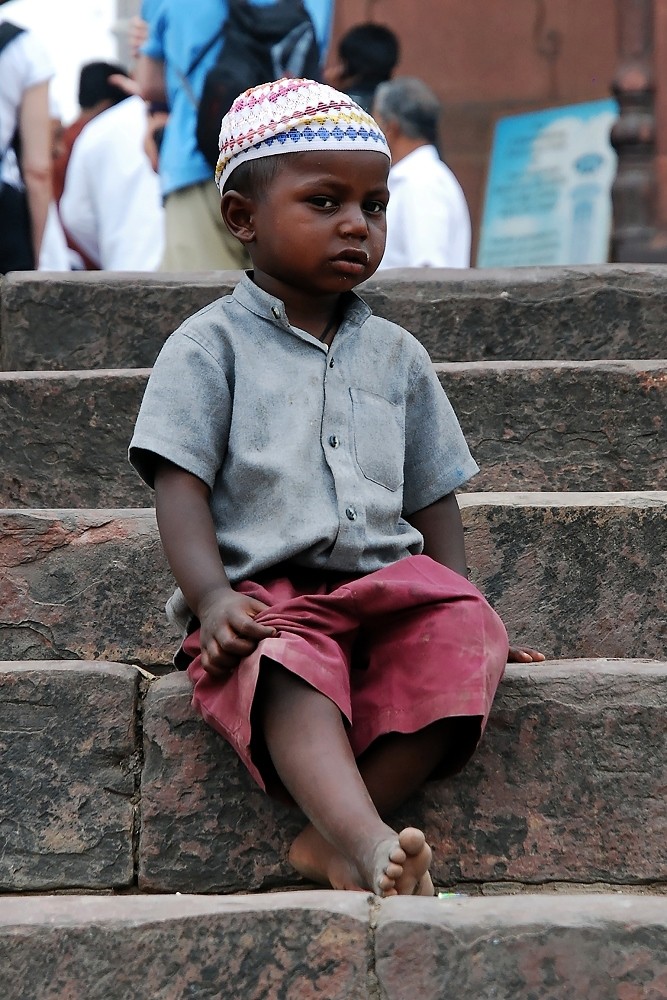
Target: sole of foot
(415,879)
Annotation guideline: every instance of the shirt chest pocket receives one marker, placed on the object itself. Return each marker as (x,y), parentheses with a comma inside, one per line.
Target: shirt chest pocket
(379,438)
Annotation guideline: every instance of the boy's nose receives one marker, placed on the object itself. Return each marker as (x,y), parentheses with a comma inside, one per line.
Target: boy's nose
(354,222)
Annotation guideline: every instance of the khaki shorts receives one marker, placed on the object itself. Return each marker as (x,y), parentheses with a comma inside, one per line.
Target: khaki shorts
(196,238)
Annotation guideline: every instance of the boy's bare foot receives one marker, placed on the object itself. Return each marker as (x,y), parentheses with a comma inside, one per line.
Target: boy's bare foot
(425,886)
(398,865)
(414,879)
(316,859)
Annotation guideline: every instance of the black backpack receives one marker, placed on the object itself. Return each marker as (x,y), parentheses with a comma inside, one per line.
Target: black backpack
(261,43)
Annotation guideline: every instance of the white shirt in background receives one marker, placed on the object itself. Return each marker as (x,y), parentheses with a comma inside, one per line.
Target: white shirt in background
(23,64)
(112,205)
(428,222)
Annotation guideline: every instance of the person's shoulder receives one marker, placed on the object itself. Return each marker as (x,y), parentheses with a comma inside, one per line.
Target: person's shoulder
(27,53)
(108,123)
(393,336)
(212,329)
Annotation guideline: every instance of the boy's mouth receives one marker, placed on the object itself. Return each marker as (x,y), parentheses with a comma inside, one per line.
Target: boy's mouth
(355,255)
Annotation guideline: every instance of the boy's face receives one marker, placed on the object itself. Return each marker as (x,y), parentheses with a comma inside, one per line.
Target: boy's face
(321,225)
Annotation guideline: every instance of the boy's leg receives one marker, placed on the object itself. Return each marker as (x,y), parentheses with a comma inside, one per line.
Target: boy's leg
(306,739)
(392,769)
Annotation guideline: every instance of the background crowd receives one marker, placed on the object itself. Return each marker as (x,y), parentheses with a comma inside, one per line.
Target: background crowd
(125,186)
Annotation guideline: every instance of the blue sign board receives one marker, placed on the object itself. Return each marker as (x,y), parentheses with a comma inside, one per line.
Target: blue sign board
(548,194)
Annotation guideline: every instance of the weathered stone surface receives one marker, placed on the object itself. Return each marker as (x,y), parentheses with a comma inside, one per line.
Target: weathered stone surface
(121,320)
(529,313)
(97,320)
(64,439)
(206,826)
(282,947)
(533,425)
(596,948)
(577,574)
(83,585)
(572,766)
(568,784)
(341,946)
(563,425)
(67,775)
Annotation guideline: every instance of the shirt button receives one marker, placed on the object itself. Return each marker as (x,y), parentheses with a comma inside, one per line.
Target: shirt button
(276,311)
(333,441)
(331,363)
(351,513)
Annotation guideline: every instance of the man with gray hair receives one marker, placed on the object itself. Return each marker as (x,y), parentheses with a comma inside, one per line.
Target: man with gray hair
(428,222)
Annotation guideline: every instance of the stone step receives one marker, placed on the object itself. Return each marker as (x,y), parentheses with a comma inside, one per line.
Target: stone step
(531,425)
(111,781)
(108,320)
(342,946)
(577,574)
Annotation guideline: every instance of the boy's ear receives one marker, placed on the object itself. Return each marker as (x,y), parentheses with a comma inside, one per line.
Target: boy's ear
(237,214)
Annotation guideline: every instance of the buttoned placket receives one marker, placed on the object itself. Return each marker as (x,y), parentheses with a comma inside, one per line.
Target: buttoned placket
(336,437)
(338,444)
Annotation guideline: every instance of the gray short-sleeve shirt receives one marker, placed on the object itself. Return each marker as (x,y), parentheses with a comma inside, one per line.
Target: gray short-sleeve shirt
(313,455)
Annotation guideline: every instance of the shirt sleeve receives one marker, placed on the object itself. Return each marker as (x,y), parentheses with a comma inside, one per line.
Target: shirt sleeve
(185,414)
(157,22)
(437,457)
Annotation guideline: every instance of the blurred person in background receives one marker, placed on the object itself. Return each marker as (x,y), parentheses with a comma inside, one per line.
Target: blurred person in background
(367,56)
(96,94)
(158,111)
(178,32)
(428,222)
(25,148)
(112,206)
(54,254)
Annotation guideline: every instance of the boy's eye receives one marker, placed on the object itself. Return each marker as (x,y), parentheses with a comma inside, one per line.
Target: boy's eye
(322,201)
(375,207)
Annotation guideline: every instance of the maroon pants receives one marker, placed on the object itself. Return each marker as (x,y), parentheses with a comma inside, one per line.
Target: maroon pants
(395,650)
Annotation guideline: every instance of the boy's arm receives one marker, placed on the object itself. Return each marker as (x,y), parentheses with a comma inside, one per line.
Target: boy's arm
(228,628)
(442,528)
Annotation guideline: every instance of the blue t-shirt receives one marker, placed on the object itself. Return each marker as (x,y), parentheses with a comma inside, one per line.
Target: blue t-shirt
(177,34)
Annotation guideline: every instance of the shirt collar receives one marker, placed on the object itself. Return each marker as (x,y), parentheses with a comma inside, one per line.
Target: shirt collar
(270,308)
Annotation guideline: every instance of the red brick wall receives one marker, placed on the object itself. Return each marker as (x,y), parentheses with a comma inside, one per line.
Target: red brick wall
(489,58)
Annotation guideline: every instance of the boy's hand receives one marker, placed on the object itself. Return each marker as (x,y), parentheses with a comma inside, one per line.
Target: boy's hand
(524,654)
(229,630)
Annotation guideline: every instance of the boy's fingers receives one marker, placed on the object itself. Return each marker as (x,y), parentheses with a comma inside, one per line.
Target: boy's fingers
(216,662)
(245,625)
(231,645)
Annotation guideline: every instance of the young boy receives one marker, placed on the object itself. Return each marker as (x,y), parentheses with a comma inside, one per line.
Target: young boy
(304,458)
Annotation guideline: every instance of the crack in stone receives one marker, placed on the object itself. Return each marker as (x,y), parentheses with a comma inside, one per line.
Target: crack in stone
(372,981)
(142,689)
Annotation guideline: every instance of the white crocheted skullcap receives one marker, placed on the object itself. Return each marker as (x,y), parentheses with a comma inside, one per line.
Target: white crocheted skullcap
(289,116)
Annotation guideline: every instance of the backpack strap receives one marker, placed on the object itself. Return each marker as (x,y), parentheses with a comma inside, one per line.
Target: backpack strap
(207,48)
(183,77)
(8,32)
